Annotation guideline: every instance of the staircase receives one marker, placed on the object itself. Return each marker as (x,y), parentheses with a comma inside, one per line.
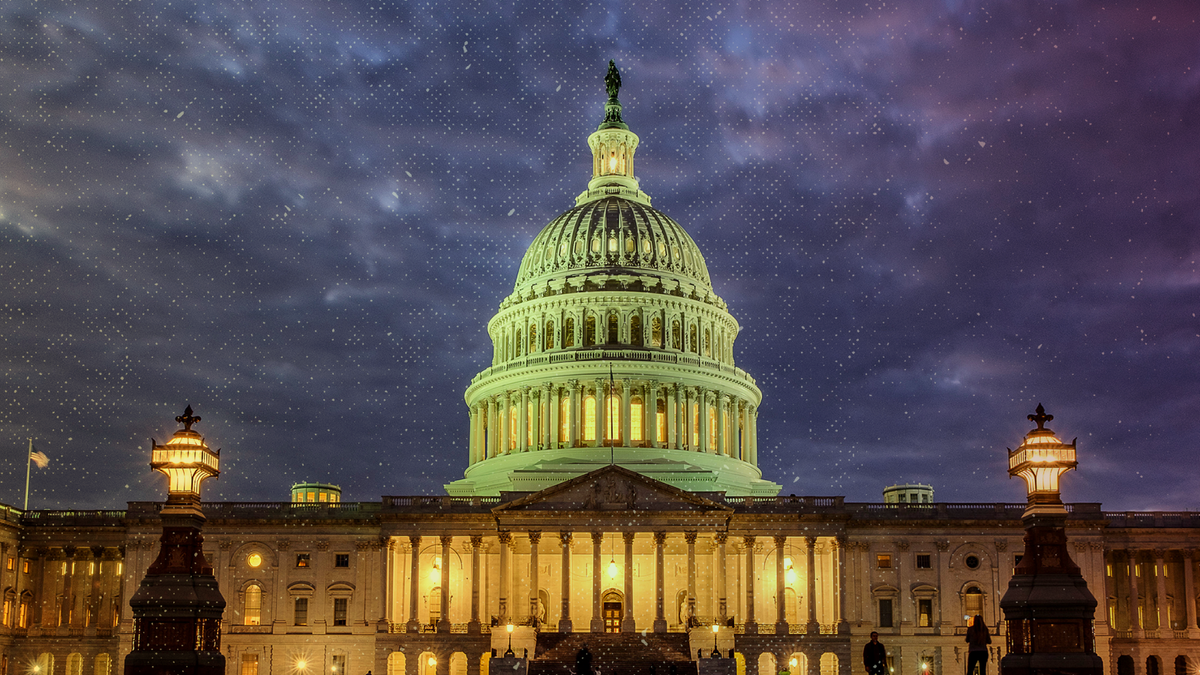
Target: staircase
(613,653)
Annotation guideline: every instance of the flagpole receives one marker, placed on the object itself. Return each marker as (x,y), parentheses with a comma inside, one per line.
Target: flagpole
(28,463)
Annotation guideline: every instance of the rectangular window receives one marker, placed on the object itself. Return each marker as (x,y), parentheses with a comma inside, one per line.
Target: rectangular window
(883,561)
(924,613)
(11,562)
(303,559)
(885,613)
(924,561)
(339,664)
(25,567)
(636,415)
(300,616)
(341,560)
(589,418)
(339,611)
(661,421)
(249,664)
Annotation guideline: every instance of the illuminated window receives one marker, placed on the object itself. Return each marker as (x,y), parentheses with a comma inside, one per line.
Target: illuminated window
(636,416)
(549,335)
(589,418)
(629,245)
(564,419)
(883,561)
(25,567)
(249,664)
(924,613)
(6,615)
(569,333)
(589,331)
(656,335)
(252,610)
(303,559)
(645,246)
(532,339)
(435,604)
(75,664)
(692,340)
(339,664)
(102,665)
(11,562)
(612,244)
(712,427)
(254,560)
(973,602)
(661,421)
(662,250)
(707,342)
(695,423)
(579,247)
(322,496)
(676,336)
(312,497)
(512,428)
(596,245)
(529,426)
(613,432)
(613,329)
(635,331)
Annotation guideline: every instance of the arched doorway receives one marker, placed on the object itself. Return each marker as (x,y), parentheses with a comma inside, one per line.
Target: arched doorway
(1125,665)
(613,604)
(1181,665)
(1153,667)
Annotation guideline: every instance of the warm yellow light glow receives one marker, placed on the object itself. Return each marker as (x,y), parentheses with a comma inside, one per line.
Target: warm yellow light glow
(510,627)
(787,563)
(432,661)
(793,662)
(790,576)
(435,574)
(612,163)
(715,628)
(254,560)
(612,569)
(301,664)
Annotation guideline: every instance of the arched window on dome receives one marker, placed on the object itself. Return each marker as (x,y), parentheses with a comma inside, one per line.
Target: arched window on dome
(693,347)
(549,335)
(635,331)
(613,425)
(569,333)
(656,333)
(517,341)
(533,338)
(578,248)
(630,246)
(637,415)
(589,418)
(589,332)
(562,249)
(707,342)
(676,336)
(612,243)
(614,327)
(564,419)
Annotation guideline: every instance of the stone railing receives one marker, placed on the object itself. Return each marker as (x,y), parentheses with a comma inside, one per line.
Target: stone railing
(1153,518)
(653,355)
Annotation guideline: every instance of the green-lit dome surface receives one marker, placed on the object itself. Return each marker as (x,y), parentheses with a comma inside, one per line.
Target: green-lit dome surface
(612,233)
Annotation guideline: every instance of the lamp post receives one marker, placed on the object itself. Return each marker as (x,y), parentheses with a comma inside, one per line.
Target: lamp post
(1048,610)
(716,653)
(177,607)
(509,653)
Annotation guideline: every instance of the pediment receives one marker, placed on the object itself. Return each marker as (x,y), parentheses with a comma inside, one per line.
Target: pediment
(611,489)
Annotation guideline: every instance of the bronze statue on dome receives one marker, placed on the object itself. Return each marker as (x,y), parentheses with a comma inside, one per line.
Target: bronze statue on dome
(612,81)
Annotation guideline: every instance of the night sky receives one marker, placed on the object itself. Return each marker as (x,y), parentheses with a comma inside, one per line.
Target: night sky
(298,217)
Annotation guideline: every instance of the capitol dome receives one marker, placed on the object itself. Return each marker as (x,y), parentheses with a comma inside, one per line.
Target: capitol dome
(613,348)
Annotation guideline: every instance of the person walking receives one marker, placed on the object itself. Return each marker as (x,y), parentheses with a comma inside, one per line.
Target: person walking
(978,639)
(875,656)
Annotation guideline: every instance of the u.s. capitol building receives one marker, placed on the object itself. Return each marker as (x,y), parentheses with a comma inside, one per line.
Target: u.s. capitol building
(611,496)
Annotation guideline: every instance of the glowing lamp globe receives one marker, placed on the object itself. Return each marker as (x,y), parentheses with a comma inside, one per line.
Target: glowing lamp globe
(186,461)
(1041,460)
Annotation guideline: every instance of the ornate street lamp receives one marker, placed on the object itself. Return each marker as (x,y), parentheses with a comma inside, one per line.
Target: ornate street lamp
(1048,610)
(177,607)
(508,654)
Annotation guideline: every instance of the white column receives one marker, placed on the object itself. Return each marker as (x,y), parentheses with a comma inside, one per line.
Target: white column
(1161,588)
(650,407)
(443,625)
(472,447)
(628,625)
(564,620)
(414,579)
(1135,601)
(476,543)
(781,625)
(702,420)
(535,538)
(660,582)
(722,582)
(690,538)
(573,405)
(597,619)
(505,540)
(492,447)
(810,569)
(552,430)
(1189,593)
(751,623)
(754,435)
(675,422)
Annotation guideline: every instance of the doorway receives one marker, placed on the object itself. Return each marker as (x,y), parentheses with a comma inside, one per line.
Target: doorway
(613,604)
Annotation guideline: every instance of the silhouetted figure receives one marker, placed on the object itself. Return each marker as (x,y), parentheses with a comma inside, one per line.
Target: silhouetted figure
(583,661)
(526,654)
(978,639)
(875,656)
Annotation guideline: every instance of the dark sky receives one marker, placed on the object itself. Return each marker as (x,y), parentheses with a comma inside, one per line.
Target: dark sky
(928,216)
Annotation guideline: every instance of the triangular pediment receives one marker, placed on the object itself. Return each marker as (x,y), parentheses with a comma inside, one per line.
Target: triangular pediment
(611,489)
